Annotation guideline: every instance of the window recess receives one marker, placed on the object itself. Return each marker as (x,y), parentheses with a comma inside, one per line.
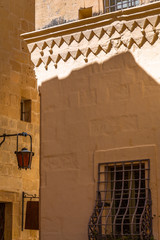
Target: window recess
(115,5)
(123,203)
(5,221)
(26,110)
(2,220)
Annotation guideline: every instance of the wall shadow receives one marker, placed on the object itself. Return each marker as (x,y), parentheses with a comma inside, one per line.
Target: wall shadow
(102,106)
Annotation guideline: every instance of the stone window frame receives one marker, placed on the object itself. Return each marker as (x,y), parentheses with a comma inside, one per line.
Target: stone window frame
(128,154)
(123,202)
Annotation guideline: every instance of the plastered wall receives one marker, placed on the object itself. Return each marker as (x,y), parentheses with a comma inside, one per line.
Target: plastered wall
(113,106)
(50,13)
(56,11)
(17,80)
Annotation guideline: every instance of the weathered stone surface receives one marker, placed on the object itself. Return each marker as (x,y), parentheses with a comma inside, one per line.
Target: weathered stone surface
(17,80)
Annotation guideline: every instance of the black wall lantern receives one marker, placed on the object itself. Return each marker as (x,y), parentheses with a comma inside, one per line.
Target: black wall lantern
(24,157)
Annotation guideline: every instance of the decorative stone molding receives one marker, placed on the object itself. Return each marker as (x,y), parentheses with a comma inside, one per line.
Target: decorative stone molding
(118,31)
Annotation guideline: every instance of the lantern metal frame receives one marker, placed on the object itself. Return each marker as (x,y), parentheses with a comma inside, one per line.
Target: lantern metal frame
(30,153)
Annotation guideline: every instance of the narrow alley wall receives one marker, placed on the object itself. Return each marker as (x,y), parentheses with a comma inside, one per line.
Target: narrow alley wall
(17,84)
(113,106)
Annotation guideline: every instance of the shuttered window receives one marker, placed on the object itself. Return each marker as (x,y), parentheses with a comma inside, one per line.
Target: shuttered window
(123,204)
(32,215)
(26,110)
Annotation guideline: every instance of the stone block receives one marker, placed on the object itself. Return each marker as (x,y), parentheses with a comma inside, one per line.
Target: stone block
(88,97)
(66,161)
(17,79)
(24,25)
(15,66)
(74,99)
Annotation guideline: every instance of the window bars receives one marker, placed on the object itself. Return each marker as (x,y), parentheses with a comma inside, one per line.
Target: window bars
(123,203)
(115,5)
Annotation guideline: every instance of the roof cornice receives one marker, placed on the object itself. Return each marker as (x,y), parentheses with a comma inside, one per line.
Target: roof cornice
(58,50)
(94,22)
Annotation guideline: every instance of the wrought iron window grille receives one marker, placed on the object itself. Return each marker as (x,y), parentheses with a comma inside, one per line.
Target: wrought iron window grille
(123,203)
(115,5)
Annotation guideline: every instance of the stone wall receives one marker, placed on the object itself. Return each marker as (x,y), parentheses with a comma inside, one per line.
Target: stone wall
(17,81)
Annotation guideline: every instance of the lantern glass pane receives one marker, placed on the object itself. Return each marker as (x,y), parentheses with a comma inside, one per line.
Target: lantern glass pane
(23,159)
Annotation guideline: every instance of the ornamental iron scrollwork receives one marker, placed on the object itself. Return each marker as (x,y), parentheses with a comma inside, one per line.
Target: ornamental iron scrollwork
(123,203)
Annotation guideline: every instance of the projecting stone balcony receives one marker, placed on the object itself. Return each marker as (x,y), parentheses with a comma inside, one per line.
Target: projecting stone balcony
(95,39)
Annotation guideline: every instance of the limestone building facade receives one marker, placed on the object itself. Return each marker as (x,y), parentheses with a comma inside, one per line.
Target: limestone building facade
(19,112)
(100,135)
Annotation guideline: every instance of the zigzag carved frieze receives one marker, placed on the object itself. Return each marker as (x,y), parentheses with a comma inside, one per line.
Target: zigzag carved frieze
(105,38)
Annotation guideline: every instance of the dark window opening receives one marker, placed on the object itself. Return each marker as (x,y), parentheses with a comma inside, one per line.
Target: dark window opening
(5,221)
(2,220)
(26,110)
(123,204)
